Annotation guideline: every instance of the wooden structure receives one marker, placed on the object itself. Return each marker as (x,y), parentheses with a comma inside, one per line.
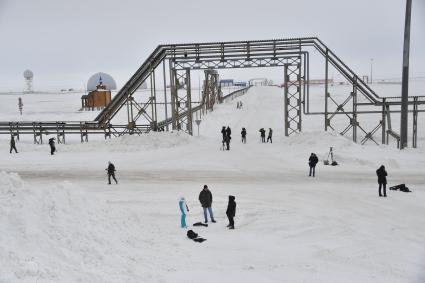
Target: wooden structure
(96,99)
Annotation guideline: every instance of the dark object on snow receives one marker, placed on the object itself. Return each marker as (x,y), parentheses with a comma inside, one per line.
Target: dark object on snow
(193,236)
(382,179)
(401,187)
(52,146)
(231,212)
(200,224)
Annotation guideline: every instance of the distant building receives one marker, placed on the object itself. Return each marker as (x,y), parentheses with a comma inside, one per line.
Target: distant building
(242,84)
(226,83)
(100,86)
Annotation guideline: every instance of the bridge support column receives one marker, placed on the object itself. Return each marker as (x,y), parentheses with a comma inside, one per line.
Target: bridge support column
(181,100)
(415,122)
(292,91)
(354,122)
(326,90)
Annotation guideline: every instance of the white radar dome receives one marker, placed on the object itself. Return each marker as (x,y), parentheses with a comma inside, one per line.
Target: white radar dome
(99,78)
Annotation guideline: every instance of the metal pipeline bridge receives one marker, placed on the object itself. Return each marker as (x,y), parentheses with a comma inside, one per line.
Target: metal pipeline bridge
(171,104)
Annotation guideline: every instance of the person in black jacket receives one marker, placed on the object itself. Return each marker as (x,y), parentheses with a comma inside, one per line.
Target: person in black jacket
(269,137)
(312,161)
(228,137)
(243,134)
(111,172)
(231,212)
(223,133)
(13,144)
(382,179)
(205,198)
(52,146)
(262,134)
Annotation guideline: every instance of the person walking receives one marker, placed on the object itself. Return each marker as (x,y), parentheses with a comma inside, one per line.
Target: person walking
(111,172)
(312,161)
(13,145)
(52,146)
(231,212)
(382,180)
(262,135)
(205,198)
(228,137)
(269,136)
(243,134)
(183,209)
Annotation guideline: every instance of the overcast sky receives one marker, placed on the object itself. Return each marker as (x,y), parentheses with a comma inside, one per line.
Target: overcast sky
(65,41)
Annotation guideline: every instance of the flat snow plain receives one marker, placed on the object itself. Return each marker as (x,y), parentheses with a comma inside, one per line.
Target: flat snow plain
(61,222)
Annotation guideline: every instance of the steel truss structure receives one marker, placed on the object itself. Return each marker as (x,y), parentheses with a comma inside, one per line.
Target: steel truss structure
(173,64)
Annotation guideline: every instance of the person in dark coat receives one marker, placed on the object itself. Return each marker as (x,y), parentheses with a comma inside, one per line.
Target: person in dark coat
(312,161)
(382,180)
(111,172)
(262,134)
(228,137)
(228,142)
(52,146)
(205,198)
(243,134)
(223,141)
(231,212)
(13,145)
(228,131)
(223,133)
(269,137)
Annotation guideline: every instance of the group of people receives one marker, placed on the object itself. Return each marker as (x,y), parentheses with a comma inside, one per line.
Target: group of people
(263,135)
(381,173)
(226,136)
(51,144)
(205,198)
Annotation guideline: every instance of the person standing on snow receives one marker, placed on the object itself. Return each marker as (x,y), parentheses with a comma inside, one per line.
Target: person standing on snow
(382,180)
(262,135)
(269,137)
(52,146)
(312,161)
(228,137)
(231,212)
(111,172)
(205,198)
(183,209)
(13,145)
(223,133)
(243,134)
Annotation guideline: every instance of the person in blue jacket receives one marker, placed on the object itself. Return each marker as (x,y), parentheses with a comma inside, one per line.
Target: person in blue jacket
(183,209)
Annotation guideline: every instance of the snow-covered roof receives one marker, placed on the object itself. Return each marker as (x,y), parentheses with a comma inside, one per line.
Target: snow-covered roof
(106,80)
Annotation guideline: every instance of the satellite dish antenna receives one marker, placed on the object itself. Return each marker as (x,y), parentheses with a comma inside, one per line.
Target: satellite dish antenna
(28,75)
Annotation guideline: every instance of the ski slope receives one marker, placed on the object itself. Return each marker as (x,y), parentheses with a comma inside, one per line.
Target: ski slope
(61,222)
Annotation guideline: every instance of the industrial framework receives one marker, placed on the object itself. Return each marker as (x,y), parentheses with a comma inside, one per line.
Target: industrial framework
(171,102)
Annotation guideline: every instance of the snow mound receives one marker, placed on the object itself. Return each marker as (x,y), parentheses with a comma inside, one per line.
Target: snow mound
(9,182)
(133,143)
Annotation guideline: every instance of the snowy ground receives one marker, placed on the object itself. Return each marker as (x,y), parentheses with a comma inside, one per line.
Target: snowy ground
(61,222)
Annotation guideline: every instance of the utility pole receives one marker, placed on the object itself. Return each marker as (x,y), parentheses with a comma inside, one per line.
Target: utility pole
(405,77)
(371,70)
